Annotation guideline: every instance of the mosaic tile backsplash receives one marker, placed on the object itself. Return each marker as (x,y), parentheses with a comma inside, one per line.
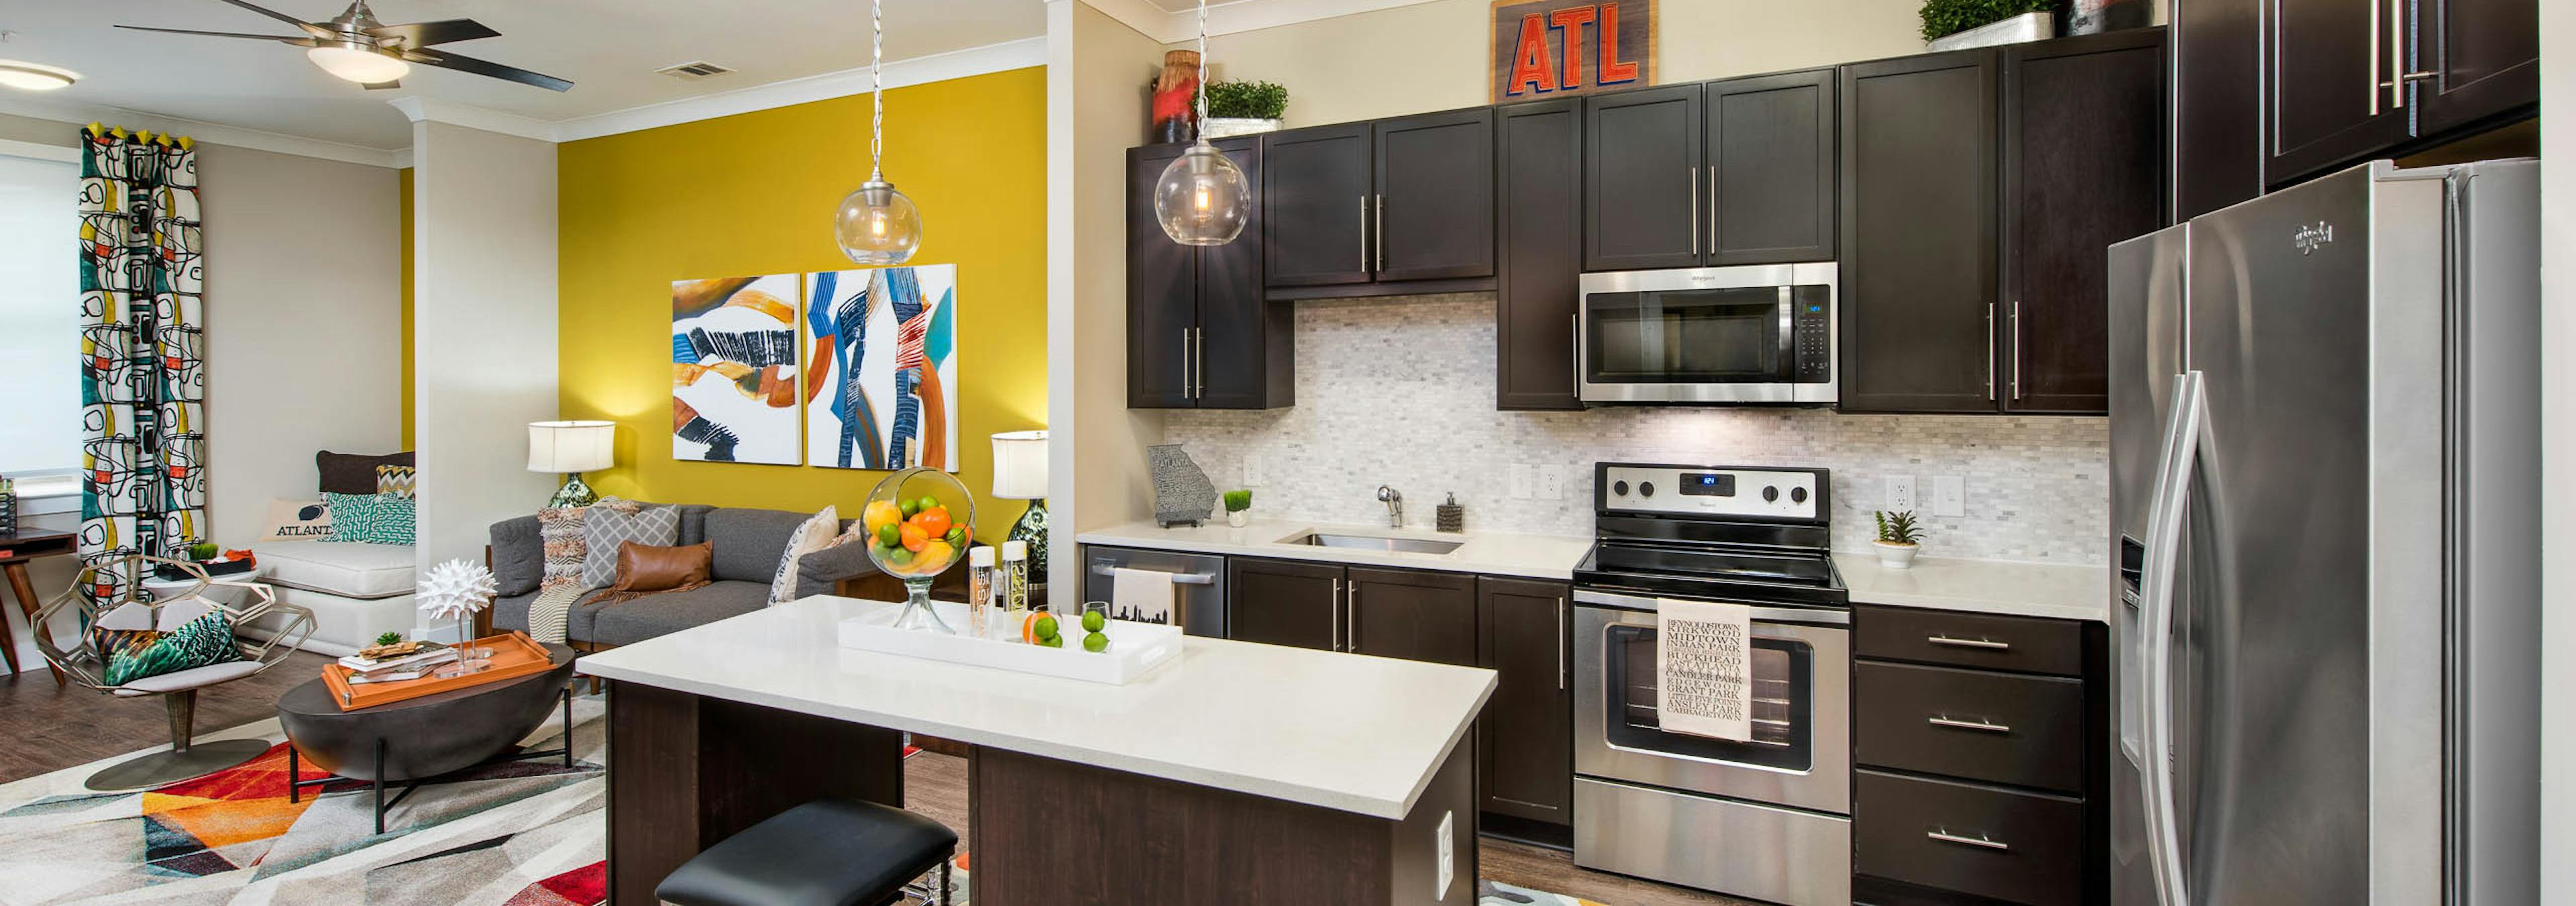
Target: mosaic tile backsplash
(1400,392)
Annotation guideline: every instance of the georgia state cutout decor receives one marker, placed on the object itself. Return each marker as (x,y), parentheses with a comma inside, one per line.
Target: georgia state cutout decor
(1549,48)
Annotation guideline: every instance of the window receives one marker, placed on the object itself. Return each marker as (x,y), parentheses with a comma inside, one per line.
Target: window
(40,420)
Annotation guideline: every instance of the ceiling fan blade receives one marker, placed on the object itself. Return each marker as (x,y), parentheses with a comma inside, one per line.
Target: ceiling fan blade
(308,27)
(300,42)
(461,63)
(424,34)
(375,86)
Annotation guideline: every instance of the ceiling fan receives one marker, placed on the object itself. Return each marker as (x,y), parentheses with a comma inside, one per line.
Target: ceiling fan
(356,47)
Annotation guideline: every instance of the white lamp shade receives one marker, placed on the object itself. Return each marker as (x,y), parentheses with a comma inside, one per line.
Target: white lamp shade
(1020,465)
(561,447)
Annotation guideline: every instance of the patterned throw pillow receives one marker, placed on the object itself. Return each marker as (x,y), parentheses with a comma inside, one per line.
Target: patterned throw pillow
(560,531)
(131,652)
(395,480)
(370,518)
(606,527)
(811,535)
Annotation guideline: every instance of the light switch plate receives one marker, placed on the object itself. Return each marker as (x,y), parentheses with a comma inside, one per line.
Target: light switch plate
(1551,482)
(1519,479)
(1448,854)
(1949,495)
(1900,493)
(1251,471)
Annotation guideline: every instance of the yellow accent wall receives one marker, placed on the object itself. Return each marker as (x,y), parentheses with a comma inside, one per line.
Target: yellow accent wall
(405,174)
(753,194)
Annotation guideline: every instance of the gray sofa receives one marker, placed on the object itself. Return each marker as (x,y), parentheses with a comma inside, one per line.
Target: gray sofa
(747,544)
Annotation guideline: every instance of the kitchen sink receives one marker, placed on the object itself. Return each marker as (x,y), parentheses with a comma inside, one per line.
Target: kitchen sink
(1377,543)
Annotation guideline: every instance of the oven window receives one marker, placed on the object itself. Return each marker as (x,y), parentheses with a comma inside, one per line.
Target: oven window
(1783,703)
(1700,336)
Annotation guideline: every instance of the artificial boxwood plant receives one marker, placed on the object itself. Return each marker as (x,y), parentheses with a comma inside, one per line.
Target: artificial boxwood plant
(1949,17)
(1231,99)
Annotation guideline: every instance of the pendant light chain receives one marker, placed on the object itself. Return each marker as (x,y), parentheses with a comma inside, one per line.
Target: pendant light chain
(1203,71)
(876,87)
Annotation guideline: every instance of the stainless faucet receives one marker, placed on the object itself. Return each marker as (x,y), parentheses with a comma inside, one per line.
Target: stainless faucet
(1394,506)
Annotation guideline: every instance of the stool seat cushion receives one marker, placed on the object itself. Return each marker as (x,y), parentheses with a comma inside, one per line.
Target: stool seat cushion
(828,852)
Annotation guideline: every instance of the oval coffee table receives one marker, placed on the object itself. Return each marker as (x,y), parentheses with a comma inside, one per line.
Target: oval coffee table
(423,739)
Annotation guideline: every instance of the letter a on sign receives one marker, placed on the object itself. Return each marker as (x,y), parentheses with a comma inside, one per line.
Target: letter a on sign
(1550,48)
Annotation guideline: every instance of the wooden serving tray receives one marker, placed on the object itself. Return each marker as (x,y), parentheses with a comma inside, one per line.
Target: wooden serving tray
(513,655)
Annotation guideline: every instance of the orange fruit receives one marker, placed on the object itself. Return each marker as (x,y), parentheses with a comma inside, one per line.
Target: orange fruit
(914,539)
(934,520)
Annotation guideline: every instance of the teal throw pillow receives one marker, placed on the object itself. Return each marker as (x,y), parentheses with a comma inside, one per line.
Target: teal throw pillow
(131,655)
(370,518)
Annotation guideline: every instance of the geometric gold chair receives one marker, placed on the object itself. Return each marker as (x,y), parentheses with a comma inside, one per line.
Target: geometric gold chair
(185,759)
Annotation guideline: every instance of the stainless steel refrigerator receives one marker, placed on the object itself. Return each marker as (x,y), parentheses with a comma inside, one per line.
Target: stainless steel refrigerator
(2324,470)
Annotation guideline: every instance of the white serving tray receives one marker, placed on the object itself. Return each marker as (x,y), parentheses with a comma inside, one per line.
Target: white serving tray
(1134,648)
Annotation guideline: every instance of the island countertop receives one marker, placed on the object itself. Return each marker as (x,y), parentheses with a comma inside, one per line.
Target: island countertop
(1341,731)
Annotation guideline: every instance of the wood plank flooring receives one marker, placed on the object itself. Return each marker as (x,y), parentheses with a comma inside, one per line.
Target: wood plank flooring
(44,728)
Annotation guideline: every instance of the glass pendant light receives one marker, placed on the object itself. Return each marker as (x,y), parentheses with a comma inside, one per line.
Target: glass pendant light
(1202,198)
(877,225)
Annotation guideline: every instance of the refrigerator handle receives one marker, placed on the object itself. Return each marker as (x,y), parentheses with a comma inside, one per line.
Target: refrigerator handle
(2184,428)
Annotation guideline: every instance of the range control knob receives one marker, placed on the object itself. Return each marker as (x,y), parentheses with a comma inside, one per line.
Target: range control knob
(1646,487)
(1620,488)
(1770,494)
(1797,495)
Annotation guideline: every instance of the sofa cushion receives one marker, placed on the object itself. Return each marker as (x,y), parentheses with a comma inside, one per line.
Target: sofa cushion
(347,569)
(653,615)
(749,542)
(693,523)
(518,555)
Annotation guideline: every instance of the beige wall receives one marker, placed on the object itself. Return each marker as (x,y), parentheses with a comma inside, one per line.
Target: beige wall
(2558,452)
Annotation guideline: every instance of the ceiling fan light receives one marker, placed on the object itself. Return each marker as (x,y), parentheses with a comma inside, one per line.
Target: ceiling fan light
(358,64)
(35,76)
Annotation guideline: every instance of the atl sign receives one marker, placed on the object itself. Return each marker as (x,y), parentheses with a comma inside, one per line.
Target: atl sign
(1546,48)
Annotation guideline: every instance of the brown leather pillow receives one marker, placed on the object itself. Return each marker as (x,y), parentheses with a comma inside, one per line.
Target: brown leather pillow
(643,567)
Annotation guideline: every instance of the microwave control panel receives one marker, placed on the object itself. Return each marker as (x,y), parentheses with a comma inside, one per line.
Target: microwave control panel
(1812,326)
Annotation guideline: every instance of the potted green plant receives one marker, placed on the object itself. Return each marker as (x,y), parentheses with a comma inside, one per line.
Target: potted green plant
(1962,24)
(1898,539)
(1243,107)
(1237,508)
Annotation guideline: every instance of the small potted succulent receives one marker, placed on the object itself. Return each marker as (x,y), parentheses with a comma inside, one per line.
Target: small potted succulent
(1898,539)
(1244,108)
(1238,506)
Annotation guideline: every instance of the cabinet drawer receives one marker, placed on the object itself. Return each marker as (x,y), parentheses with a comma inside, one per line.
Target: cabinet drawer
(1969,639)
(2019,847)
(1999,727)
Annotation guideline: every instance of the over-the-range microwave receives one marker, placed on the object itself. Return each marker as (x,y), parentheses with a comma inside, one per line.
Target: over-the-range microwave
(1752,334)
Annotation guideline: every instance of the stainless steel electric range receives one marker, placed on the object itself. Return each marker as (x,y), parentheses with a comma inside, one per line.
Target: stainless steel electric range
(1768,818)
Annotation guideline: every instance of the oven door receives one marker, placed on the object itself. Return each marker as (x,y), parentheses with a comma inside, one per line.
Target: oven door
(1710,335)
(1800,753)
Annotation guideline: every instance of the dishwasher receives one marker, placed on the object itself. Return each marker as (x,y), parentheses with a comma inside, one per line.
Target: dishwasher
(1198,581)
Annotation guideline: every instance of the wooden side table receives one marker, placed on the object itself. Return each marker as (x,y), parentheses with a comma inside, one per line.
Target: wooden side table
(15,551)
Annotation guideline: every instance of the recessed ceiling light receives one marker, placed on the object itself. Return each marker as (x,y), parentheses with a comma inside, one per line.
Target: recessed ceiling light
(35,76)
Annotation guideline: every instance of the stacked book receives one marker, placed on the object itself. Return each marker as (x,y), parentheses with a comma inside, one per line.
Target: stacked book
(395,663)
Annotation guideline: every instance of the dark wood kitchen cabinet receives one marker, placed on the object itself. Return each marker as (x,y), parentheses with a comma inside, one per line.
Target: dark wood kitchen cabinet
(1538,176)
(2334,92)
(1315,188)
(1284,602)
(1641,179)
(2480,60)
(1199,332)
(1919,233)
(1770,163)
(1391,202)
(1525,750)
(1416,615)
(2218,104)
(2083,167)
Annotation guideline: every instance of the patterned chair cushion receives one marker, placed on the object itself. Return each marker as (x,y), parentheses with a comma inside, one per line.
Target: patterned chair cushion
(370,518)
(136,640)
(608,526)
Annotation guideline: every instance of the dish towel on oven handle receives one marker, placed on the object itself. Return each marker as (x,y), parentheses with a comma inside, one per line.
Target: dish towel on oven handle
(1703,668)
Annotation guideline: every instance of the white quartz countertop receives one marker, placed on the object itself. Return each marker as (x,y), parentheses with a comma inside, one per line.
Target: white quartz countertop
(1341,731)
(1982,586)
(1488,553)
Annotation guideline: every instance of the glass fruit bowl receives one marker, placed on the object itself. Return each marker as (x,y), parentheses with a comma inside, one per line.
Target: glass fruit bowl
(918,524)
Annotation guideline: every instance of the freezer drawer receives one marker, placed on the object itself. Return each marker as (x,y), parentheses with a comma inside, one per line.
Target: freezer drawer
(1198,580)
(1780,855)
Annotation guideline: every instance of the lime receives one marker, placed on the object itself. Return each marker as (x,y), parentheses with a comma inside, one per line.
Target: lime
(1095,643)
(889,534)
(956,537)
(1092,621)
(911,508)
(926,502)
(1046,627)
(1053,641)
(899,557)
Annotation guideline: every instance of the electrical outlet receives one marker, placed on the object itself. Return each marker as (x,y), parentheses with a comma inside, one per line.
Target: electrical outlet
(1518,476)
(1551,482)
(1251,471)
(1448,854)
(1949,495)
(1900,493)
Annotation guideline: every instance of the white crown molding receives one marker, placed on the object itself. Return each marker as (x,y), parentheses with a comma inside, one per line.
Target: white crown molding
(212,133)
(1231,17)
(57,153)
(956,64)
(421,109)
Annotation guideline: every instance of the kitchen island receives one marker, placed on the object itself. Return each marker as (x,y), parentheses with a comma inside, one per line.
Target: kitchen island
(1237,773)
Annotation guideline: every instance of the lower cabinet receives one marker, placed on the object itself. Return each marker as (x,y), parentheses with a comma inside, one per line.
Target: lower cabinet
(1412,614)
(1525,743)
(1297,603)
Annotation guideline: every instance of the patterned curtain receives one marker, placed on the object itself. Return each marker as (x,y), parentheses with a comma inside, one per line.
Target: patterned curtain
(143,378)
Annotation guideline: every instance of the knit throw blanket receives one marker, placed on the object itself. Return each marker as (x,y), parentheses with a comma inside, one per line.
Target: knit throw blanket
(567,549)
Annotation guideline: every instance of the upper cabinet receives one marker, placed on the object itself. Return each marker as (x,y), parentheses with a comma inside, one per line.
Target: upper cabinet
(1394,201)
(1731,172)
(1199,332)
(2333,94)
(2474,60)
(1538,173)
(1641,179)
(1918,233)
(2218,104)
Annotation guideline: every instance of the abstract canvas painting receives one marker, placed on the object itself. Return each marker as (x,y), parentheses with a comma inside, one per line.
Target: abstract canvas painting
(733,370)
(881,373)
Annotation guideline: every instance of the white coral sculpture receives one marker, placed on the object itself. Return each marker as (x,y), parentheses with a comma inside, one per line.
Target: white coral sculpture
(456,589)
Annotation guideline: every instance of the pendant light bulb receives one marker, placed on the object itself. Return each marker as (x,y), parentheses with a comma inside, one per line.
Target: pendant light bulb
(877,225)
(1202,197)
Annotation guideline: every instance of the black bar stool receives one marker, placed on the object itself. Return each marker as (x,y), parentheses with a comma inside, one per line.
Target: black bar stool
(828,852)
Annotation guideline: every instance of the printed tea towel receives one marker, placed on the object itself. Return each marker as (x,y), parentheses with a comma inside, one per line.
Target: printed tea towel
(1703,665)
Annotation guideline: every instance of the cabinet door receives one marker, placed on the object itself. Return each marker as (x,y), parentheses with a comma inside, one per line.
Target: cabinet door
(2329,71)
(1771,168)
(1525,748)
(1538,156)
(2218,104)
(2083,168)
(1413,614)
(2484,57)
(1315,186)
(1918,233)
(1641,179)
(1244,356)
(1433,215)
(1284,602)
(1162,293)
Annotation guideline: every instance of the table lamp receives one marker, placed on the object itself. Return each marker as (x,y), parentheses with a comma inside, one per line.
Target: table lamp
(569,449)
(1020,473)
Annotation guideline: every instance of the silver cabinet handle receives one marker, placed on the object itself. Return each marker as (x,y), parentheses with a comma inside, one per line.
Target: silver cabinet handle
(2016,349)
(1980,840)
(1198,362)
(1694,215)
(1712,209)
(1337,614)
(1185,363)
(1955,724)
(1988,644)
(1574,337)
(1351,619)
(2397,53)
(2375,83)
(1560,644)
(1990,350)
(1381,231)
(1364,231)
